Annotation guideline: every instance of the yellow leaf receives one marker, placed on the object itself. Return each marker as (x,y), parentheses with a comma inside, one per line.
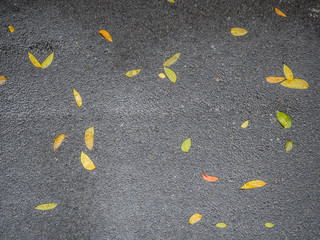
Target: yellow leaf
(34,60)
(2,79)
(171,1)
(171,74)
(284,119)
(133,73)
(289,146)
(161,75)
(275,79)
(295,83)
(171,60)
(77,97)
(186,145)
(86,162)
(195,218)
(287,72)
(89,137)
(58,141)
(238,31)
(221,225)
(106,35)
(269,225)
(46,63)
(280,13)
(245,124)
(11,29)
(253,184)
(46,206)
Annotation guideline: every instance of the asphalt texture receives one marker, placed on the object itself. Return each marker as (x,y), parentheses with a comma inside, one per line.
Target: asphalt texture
(144,186)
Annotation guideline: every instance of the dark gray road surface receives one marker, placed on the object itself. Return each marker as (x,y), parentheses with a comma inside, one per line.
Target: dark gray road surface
(144,186)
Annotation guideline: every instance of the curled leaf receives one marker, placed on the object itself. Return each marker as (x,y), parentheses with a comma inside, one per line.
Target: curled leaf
(238,32)
(11,29)
(287,72)
(280,13)
(195,218)
(221,225)
(2,79)
(186,145)
(133,73)
(284,119)
(89,137)
(58,141)
(289,146)
(253,184)
(86,162)
(295,83)
(46,206)
(245,124)
(171,74)
(106,35)
(269,225)
(275,79)
(46,63)
(171,60)
(34,60)
(209,178)
(77,97)
(162,75)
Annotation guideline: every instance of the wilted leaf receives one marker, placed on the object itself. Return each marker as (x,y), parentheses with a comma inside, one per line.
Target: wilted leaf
(287,72)
(46,63)
(106,35)
(245,124)
(46,206)
(295,83)
(89,137)
(284,119)
(58,141)
(171,74)
(86,162)
(253,184)
(275,79)
(186,145)
(280,13)
(162,75)
(34,60)
(238,31)
(269,225)
(195,218)
(209,178)
(77,97)
(221,225)
(289,146)
(171,60)
(133,73)
(2,79)
(11,29)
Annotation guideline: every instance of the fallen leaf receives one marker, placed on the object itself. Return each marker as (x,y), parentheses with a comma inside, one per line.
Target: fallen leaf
(289,146)
(280,13)
(34,60)
(221,225)
(171,1)
(269,225)
(46,206)
(46,63)
(11,29)
(245,124)
(287,72)
(171,74)
(133,73)
(58,141)
(275,79)
(186,145)
(89,137)
(106,35)
(2,79)
(209,178)
(253,184)
(295,83)
(238,31)
(284,119)
(86,162)
(195,218)
(162,75)
(171,60)
(77,97)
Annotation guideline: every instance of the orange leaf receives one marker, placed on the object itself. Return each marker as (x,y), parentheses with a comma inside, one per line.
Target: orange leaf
(209,178)
(11,29)
(106,35)
(280,13)
(58,141)
(2,79)
(275,79)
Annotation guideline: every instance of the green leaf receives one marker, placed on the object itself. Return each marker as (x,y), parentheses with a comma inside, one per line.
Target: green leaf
(221,225)
(46,206)
(186,145)
(289,146)
(269,225)
(284,119)
(171,74)
(171,60)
